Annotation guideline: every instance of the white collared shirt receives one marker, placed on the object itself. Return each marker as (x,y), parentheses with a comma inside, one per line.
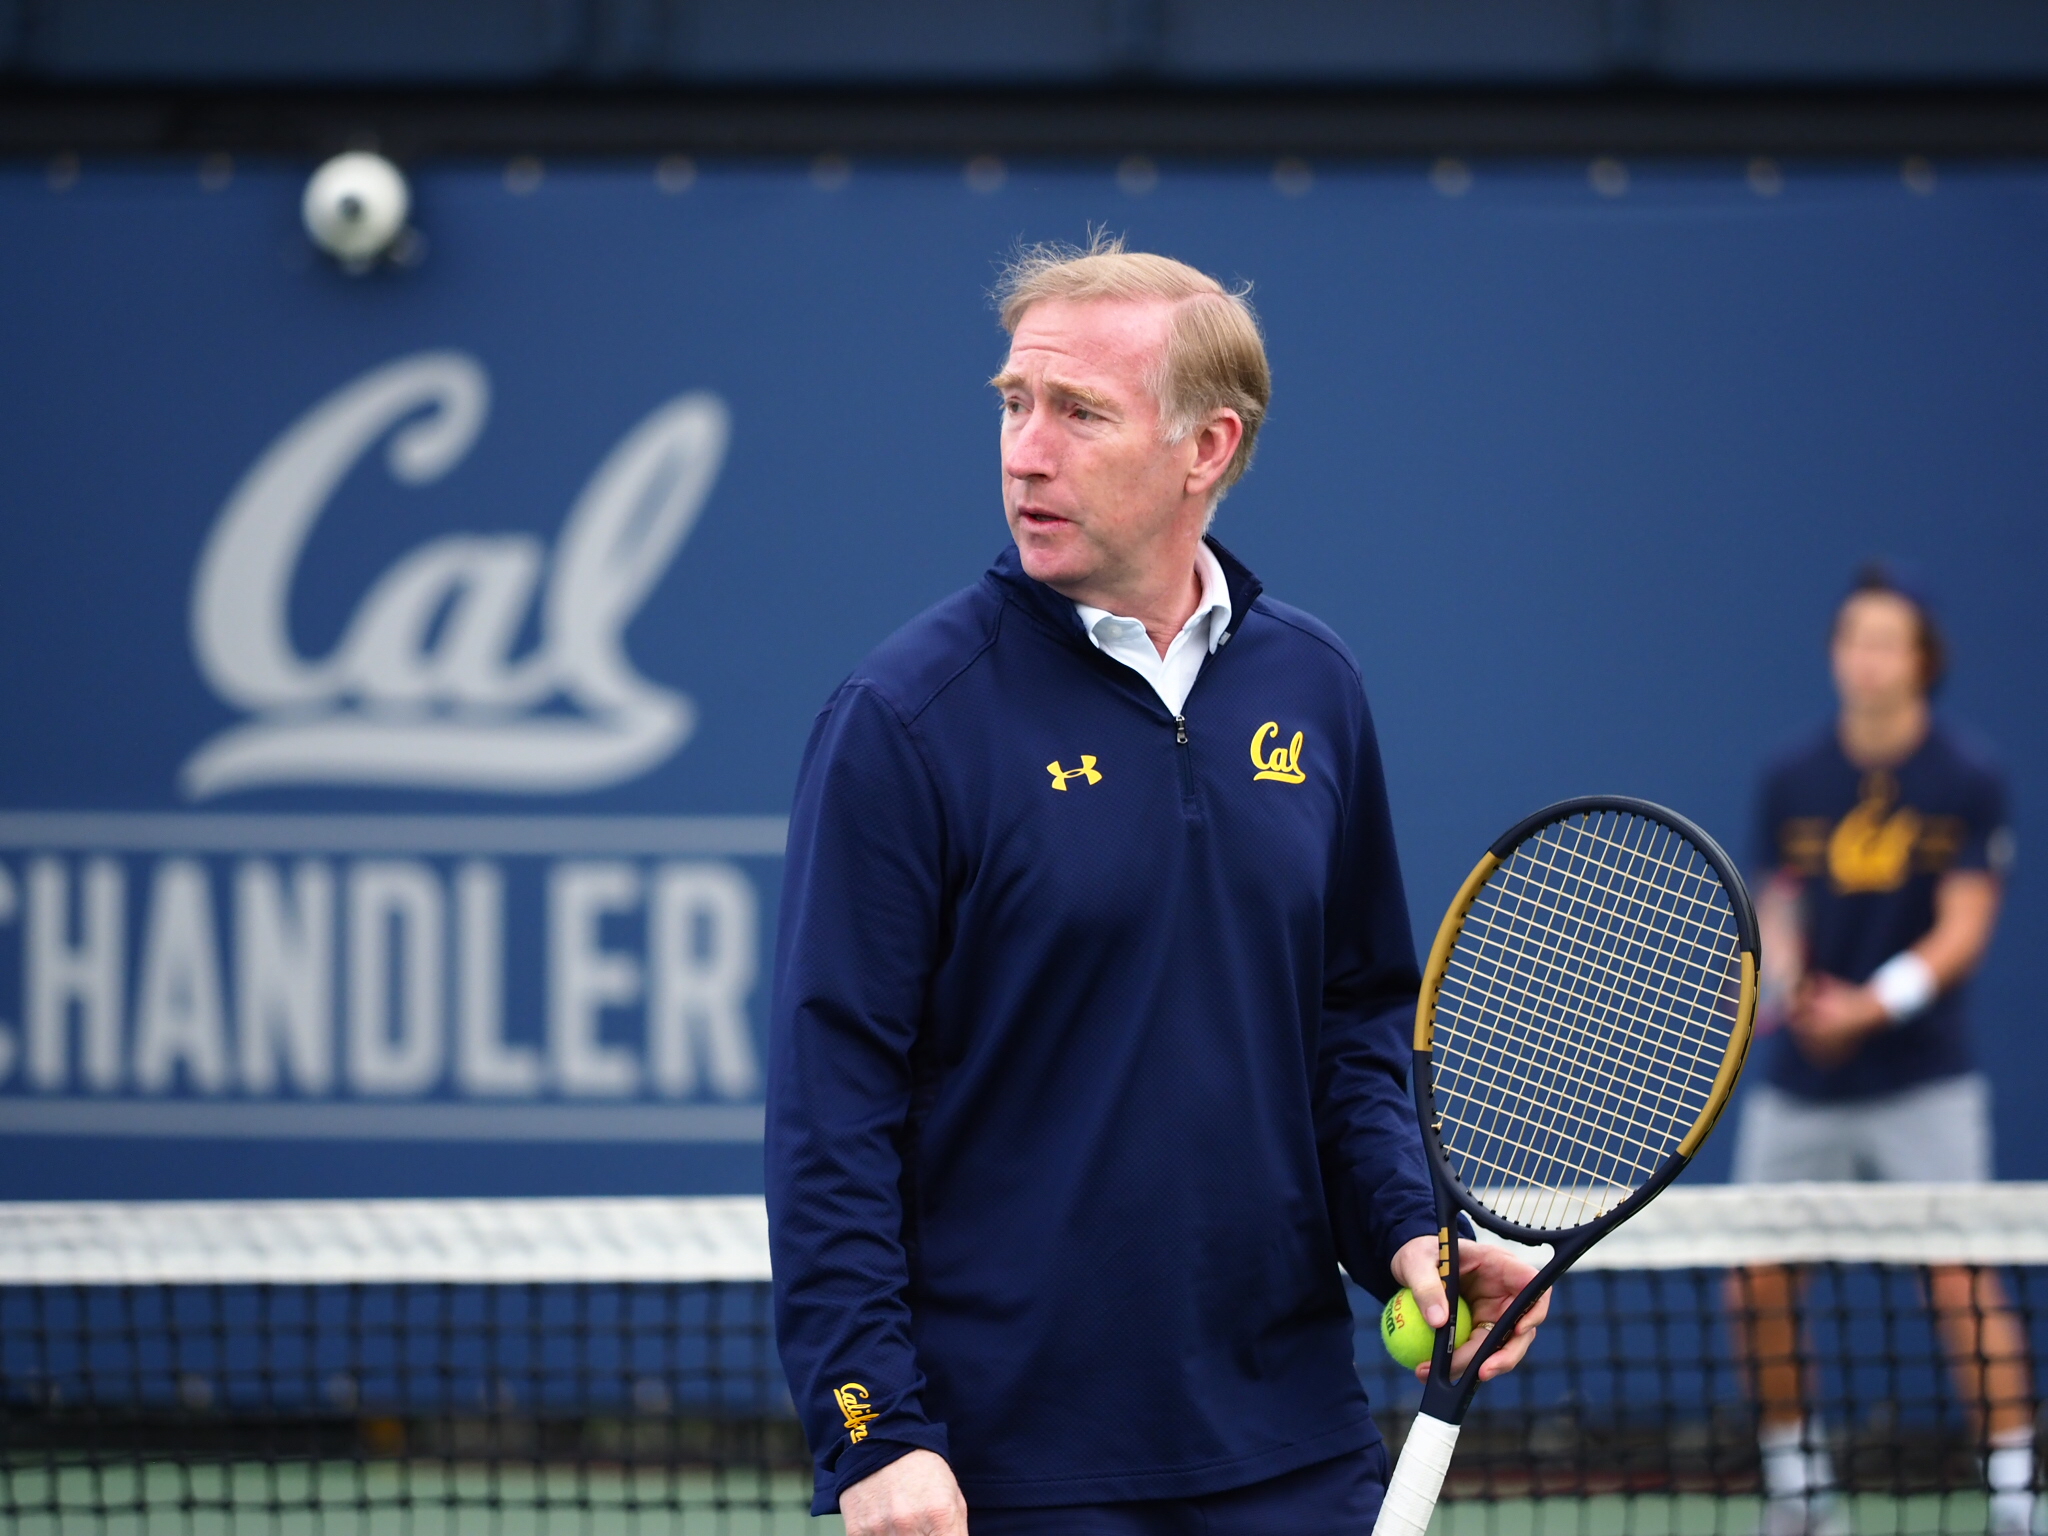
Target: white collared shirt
(1173,674)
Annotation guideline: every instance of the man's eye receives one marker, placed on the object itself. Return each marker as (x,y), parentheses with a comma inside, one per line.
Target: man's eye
(1082,413)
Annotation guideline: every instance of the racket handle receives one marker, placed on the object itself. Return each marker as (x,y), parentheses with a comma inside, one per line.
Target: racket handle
(1418,1478)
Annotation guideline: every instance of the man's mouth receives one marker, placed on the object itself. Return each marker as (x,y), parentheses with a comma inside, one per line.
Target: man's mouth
(1038,517)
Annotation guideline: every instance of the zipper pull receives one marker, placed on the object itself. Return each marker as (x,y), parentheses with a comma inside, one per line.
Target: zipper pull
(1180,730)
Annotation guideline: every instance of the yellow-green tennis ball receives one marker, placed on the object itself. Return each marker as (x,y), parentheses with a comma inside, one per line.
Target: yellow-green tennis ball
(1407,1334)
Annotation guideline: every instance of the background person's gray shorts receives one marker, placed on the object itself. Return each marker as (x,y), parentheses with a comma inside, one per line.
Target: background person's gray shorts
(1937,1133)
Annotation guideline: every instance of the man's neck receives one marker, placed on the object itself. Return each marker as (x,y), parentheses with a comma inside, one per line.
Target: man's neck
(1163,604)
(1165,622)
(1885,735)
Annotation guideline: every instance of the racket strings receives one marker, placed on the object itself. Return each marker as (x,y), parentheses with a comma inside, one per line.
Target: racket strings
(1491,941)
(1599,970)
(1560,946)
(1523,998)
(1603,1096)
(1583,1017)
(1576,1081)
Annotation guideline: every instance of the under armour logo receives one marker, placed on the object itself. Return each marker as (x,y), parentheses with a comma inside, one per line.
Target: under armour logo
(1060,775)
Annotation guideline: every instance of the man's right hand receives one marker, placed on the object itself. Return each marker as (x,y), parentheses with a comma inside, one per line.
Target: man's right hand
(915,1495)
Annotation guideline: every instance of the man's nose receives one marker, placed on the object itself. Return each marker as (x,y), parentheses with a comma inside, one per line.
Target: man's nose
(1028,447)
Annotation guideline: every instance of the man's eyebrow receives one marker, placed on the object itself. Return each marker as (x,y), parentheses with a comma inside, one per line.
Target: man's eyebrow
(1080,394)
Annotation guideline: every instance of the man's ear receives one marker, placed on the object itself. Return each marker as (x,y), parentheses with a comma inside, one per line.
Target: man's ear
(1215,442)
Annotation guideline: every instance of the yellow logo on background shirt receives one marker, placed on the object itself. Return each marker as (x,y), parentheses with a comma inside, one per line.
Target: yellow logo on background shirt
(853,1403)
(1284,764)
(1061,775)
(1869,849)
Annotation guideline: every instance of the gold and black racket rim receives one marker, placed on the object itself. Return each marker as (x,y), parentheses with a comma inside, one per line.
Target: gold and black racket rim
(1584,1016)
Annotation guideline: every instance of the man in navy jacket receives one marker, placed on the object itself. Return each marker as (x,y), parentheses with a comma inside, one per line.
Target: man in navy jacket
(1093,993)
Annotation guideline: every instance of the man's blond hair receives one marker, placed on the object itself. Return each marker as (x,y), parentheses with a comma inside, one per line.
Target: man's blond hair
(1215,358)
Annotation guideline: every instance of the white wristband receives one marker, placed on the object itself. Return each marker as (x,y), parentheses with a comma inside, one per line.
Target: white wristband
(1904,985)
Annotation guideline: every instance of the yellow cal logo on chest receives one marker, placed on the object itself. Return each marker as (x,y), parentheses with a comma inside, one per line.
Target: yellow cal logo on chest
(1282,764)
(1871,848)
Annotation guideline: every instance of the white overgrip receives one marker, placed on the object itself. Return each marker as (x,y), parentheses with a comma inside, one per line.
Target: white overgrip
(1418,1478)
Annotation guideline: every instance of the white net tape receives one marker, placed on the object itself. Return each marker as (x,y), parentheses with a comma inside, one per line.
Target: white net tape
(334,1242)
(1707,1226)
(338,1242)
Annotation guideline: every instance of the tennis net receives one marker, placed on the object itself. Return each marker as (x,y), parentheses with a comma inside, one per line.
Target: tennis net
(598,1366)
(1643,1411)
(607,1366)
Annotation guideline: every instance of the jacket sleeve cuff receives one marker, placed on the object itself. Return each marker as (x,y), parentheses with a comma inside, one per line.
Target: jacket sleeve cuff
(870,1456)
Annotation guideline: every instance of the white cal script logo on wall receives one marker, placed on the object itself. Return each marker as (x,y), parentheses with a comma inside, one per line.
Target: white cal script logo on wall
(423,688)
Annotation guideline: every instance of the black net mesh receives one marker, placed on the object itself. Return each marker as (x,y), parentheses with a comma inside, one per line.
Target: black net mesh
(1641,1408)
(416,1408)
(602,1407)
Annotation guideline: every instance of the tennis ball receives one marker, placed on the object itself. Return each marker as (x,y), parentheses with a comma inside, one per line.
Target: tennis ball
(1408,1336)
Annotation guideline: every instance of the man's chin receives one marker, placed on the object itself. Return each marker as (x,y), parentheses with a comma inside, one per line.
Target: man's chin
(1052,559)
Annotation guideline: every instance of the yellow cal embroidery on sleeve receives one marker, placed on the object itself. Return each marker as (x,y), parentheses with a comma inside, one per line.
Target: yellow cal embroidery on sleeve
(1284,763)
(853,1403)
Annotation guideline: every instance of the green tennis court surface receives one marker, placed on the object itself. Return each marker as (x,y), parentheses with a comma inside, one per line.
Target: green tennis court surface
(400,1499)
(1699,1515)
(432,1499)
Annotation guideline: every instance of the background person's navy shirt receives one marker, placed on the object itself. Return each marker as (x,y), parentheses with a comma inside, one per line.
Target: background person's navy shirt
(1868,847)
(1088,1058)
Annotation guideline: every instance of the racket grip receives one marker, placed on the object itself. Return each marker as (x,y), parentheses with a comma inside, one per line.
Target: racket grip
(1418,1478)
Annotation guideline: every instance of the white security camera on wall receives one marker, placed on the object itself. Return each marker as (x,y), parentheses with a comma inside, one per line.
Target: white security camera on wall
(355,209)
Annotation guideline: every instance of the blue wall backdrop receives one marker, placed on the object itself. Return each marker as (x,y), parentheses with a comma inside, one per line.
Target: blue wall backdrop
(404,676)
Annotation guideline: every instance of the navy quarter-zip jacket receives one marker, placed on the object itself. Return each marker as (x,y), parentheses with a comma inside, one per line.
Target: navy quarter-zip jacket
(1088,1057)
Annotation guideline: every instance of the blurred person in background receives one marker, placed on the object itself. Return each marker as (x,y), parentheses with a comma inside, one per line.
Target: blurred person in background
(1886,839)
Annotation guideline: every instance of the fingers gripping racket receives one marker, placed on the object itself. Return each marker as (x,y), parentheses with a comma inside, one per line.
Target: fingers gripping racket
(1584,1015)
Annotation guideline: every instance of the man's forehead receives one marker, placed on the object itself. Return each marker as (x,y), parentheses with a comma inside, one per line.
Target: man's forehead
(1099,338)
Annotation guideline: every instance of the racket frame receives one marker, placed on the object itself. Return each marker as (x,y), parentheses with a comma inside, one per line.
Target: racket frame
(1444,1397)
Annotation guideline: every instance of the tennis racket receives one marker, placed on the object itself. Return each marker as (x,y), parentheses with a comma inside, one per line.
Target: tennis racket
(1583,1018)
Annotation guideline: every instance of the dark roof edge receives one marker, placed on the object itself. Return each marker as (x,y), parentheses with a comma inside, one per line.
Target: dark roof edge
(1085,123)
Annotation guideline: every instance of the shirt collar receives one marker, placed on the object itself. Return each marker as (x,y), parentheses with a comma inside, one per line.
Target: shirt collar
(1047,607)
(1210,620)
